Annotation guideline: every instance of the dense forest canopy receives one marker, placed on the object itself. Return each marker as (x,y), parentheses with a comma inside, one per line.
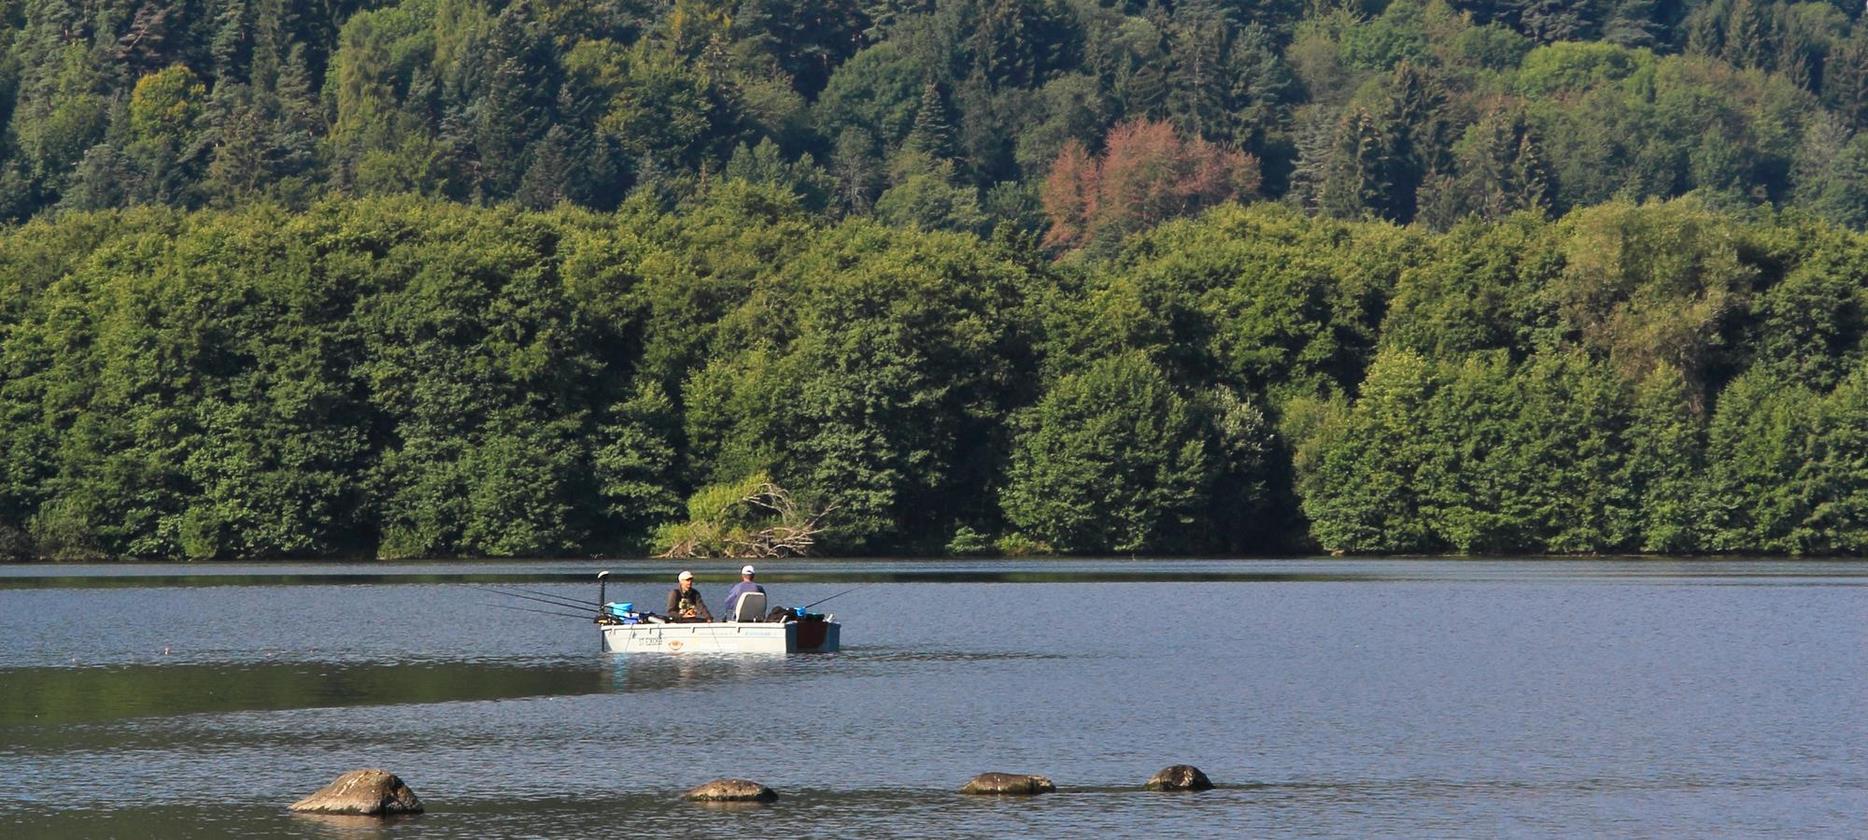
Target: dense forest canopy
(460,277)
(941,114)
(413,377)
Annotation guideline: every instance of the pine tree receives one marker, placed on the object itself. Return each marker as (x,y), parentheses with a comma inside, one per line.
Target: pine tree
(1633,24)
(298,122)
(1666,456)
(1489,174)
(1550,21)
(230,46)
(1705,29)
(1261,88)
(1748,35)
(1535,191)
(240,142)
(1845,79)
(1414,128)
(144,47)
(933,130)
(1356,184)
(547,180)
(1200,100)
(1316,137)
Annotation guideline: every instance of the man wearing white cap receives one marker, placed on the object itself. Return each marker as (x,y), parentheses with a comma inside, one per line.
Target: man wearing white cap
(684,601)
(744,586)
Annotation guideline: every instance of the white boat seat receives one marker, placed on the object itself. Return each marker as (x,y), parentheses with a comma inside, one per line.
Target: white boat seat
(751,607)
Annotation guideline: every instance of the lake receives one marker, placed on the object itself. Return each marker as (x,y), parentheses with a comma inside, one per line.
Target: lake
(1350,698)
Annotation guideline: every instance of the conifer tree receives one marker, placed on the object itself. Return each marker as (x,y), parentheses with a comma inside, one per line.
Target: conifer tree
(1845,79)
(1747,35)
(1532,175)
(933,130)
(1414,130)
(1356,183)
(547,180)
(1550,21)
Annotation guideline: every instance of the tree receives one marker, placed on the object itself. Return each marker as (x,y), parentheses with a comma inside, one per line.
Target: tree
(745,519)
(636,463)
(807,38)
(867,375)
(1654,284)
(927,194)
(1666,462)
(857,169)
(1146,175)
(932,134)
(1414,129)
(1364,490)
(1112,460)
(1355,181)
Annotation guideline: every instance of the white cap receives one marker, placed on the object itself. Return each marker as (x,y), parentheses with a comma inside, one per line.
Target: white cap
(745,570)
(685,576)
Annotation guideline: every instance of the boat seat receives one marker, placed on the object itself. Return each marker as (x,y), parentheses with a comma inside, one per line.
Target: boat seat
(751,607)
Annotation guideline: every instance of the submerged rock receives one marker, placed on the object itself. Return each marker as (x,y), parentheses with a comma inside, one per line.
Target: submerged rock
(1008,784)
(732,790)
(364,792)
(1180,777)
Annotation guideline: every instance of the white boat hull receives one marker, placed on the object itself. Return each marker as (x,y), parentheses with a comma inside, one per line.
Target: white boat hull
(723,637)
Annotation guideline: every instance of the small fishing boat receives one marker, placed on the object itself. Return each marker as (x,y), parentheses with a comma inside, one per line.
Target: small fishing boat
(749,630)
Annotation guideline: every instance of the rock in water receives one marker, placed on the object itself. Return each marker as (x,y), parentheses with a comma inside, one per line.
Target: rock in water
(1008,784)
(1180,777)
(732,790)
(368,792)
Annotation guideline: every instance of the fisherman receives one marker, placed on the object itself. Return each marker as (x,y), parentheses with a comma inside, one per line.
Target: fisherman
(744,586)
(684,601)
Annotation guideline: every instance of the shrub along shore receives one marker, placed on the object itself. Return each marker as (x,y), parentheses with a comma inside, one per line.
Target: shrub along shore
(406,377)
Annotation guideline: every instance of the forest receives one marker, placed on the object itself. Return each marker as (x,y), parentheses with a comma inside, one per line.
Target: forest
(894,277)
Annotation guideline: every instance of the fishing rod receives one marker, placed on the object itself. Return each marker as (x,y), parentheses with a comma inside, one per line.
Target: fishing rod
(546,594)
(540,612)
(531,594)
(565,598)
(567,604)
(821,600)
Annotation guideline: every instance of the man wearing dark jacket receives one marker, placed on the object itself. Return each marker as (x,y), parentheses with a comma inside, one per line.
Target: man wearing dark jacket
(684,601)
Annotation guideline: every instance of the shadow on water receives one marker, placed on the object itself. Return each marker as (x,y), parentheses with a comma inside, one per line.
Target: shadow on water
(879,570)
(53,696)
(888,812)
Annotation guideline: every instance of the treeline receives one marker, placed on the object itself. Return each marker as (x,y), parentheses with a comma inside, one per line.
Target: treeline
(407,377)
(1081,120)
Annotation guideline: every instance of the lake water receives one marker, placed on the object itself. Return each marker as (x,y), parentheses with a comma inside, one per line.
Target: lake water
(1324,697)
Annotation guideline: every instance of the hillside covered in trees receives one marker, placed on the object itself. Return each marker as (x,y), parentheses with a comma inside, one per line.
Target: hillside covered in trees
(407,377)
(1083,120)
(461,277)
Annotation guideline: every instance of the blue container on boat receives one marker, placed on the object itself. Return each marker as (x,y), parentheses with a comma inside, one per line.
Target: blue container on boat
(626,609)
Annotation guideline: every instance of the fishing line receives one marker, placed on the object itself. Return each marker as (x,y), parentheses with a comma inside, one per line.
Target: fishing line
(821,600)
(540,612)
(543,596)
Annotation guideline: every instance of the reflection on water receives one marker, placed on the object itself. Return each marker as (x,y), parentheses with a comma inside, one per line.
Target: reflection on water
(694,671)
(1343,698)
(53,696)
(1721,571)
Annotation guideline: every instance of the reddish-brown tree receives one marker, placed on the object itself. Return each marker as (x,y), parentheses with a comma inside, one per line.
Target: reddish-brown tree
(1146,175)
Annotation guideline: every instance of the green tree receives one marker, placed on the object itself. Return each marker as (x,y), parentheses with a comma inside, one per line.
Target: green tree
(1666,462)
(1112,460)
(1356,175)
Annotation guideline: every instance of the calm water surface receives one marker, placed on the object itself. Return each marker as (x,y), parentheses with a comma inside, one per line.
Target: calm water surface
(1333,698)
